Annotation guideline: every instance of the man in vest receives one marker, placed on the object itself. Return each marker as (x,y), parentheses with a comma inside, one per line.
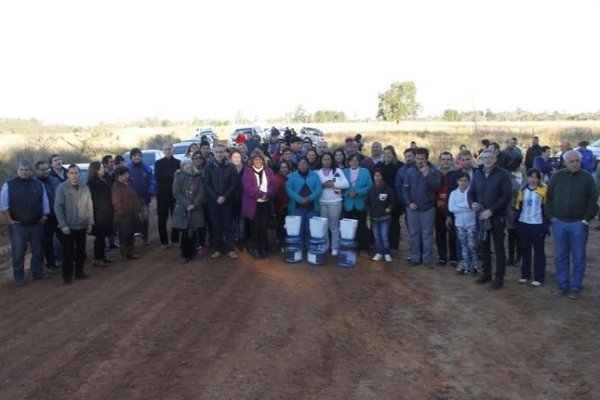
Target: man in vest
(25,206)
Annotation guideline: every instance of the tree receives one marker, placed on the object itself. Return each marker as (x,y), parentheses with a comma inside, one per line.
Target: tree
(451,115)
(398,102)
(300,114)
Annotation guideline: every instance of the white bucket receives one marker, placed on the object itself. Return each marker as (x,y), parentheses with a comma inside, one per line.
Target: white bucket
(318,227)
(292,225)
(348,228)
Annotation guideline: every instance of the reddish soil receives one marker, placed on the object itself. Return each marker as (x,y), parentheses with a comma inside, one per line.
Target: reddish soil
(154,329)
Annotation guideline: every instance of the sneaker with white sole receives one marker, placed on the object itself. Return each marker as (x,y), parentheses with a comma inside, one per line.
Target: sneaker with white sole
(334,252)
(387,258)
(522,280)
(377,257)
(536,283)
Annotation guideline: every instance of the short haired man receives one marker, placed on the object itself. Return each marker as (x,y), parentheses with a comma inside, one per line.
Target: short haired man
(445,237)
(164,171)
(489,194)
(221,180)
(42,172)
(75,215)
(534,151)
(321,147)
(570,205)
(376,156)
(141,179)
(418,190)
(25,206)
(109,169)
(57,169)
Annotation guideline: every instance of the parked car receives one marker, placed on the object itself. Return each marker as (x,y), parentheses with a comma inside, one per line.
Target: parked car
(316,135)
(83,171)
(248,130)
(206,133)
(149,157)
(180,148)
(595,148)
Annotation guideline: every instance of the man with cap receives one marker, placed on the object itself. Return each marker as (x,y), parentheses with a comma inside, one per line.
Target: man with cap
(25,206)
(141,179)
(587,156)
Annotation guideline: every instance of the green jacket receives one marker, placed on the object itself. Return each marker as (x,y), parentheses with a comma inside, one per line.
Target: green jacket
(571,196)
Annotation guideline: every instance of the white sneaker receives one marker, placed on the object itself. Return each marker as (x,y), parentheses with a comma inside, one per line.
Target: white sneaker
(334,252)
(376,257)
(523,280)
(536,283)
(388,258)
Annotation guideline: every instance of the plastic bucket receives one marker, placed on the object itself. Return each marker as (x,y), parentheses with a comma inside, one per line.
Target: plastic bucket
(292,225)
(318,227)
(346,257)
(317,251)
(292,250)
(348,228)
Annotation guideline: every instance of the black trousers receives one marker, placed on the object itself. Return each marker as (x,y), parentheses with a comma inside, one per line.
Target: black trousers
(362,232)
(100,247)
(49,232)
(497,235)
(73,248)
(259,225)
(395,229)
(188,243)
(165,204)
(445,238)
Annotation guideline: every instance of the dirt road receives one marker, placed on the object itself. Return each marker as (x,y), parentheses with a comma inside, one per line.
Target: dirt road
(154,329)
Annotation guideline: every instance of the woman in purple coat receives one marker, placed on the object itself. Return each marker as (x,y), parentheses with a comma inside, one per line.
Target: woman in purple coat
(259,188)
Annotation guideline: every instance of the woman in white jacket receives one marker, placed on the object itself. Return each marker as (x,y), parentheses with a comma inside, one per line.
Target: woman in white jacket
(465,223)
(330,202)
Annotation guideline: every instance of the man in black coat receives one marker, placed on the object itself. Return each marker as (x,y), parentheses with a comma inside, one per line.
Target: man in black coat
(534,151)
(164,172)
(489,195)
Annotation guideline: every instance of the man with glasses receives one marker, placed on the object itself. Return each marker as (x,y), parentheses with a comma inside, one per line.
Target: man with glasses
(489,194)
(25,206)
(570,205)
(164,171)
(141,179)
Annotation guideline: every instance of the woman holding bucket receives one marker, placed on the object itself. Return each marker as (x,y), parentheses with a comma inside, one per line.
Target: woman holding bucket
(304,189)
(333,182)
(258,182)
(355,198)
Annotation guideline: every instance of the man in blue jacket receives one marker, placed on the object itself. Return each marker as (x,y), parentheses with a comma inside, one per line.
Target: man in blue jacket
(418,192)
(489,195)
(142,180)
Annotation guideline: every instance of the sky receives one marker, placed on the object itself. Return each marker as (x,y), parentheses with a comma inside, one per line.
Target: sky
(88,61)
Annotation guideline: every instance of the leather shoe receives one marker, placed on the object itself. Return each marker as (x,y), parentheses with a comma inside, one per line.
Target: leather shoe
(82,275)
(483,279)
(496,284)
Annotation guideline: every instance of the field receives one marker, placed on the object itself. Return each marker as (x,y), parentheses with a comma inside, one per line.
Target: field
(153,329)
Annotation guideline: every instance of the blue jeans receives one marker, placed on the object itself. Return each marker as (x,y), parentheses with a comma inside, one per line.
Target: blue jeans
(570,239)
(420,230)
(381,232)
(20,236)
(305,225)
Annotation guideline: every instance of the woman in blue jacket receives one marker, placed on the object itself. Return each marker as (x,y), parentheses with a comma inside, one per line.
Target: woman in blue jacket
(354,203)
(304,189)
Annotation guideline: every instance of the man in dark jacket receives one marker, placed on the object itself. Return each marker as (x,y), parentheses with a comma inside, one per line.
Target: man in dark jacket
(489,194)
(164,171)
(24,203)
(534,151)
(42,171)
(220,180)
(418,191)
(570,205)
(142,180)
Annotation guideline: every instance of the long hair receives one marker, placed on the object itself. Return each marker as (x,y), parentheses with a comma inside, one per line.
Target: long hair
(94,170)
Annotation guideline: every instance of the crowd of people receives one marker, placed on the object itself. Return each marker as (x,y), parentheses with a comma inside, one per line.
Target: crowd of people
(224,200)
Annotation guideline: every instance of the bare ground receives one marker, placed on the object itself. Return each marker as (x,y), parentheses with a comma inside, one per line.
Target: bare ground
(246,329)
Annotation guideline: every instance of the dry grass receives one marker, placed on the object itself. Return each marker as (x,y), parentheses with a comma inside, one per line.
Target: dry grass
(77,144)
